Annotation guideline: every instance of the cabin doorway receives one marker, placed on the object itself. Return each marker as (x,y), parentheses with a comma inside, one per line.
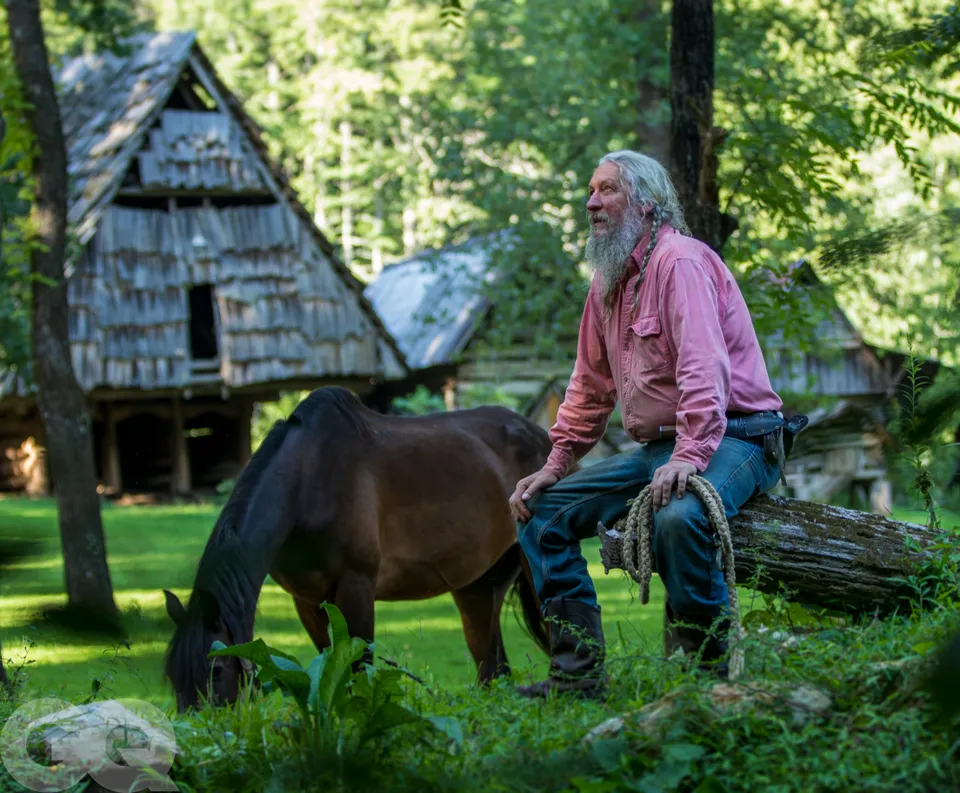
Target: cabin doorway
(203,323)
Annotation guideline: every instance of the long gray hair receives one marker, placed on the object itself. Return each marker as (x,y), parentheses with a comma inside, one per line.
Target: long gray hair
(648,183)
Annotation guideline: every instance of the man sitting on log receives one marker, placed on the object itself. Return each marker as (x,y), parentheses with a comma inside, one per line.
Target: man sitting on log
(665,332)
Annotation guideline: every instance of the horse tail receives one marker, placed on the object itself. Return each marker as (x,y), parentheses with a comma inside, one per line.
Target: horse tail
(533,623)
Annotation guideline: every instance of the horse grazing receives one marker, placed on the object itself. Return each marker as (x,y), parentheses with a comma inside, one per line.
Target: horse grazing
(342,504)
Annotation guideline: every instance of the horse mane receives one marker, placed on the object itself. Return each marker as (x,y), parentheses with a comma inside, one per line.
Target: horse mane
(341,411)
(224,571)
(225,568)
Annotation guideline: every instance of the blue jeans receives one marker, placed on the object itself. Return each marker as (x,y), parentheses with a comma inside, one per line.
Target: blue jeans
(685,548)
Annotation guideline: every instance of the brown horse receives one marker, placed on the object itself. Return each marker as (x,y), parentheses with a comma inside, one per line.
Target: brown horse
(342,504)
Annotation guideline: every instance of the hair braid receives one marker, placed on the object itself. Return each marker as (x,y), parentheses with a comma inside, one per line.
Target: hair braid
(654,229)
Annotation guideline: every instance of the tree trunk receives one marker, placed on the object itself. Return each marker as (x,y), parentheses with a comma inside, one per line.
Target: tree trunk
(693,138)
(63,409)
(653,127)
(823,556)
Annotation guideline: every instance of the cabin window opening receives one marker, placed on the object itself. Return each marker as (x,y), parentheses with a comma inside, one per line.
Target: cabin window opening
(203,324)
(222,202)
(132,176)
(153,203)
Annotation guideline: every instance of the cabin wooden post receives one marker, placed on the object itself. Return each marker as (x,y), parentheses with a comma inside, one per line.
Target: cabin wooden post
(243,433)
(553,407)
(450,393)
(180,480)
(33,464)
(881,496)
(111,451)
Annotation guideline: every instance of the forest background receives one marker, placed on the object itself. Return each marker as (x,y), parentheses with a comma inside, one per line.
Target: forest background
(405,127)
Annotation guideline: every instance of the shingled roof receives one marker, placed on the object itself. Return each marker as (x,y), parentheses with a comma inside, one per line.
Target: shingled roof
(108,102)
(288,308)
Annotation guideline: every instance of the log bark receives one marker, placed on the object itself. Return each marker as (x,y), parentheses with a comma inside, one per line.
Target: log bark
(819,555)
(62,406)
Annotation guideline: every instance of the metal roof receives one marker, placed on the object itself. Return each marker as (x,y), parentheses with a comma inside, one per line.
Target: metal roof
(432,303)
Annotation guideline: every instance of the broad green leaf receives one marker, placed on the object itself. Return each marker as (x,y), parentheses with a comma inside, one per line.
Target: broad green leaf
(711,785)
(336,670)
(386,717)
(608,753)
(272,665)
(337,627)
(449,727)
(257,651)
(683,752)
(315,673)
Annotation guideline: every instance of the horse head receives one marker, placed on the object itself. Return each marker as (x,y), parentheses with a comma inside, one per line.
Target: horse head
(194,676)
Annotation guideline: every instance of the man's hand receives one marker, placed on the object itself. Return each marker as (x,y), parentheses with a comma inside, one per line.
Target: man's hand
(664,477)
(527,488)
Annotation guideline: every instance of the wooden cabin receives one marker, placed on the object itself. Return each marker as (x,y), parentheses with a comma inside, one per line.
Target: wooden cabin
(201,285)
(437,308)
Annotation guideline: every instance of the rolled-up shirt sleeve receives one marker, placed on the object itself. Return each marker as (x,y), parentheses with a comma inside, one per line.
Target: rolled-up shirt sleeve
(590,396)
(691,309)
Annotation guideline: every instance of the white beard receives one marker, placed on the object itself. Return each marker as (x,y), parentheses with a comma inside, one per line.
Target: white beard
(609,252)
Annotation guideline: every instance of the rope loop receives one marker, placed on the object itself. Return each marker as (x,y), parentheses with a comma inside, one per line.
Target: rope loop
(638,552)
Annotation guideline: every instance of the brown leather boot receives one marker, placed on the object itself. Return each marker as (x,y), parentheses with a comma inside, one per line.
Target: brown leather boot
(689,635)
(576,651)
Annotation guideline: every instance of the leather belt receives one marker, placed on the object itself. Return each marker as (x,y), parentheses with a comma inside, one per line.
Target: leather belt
(745,426)
(768,429)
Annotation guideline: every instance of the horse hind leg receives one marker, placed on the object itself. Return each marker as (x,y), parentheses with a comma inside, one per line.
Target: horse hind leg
(480,604)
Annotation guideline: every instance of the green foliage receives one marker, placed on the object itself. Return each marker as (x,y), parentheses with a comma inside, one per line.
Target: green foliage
(267,414)
(929,44)
(924,454)
(339,707)
(403,132)
(877,731)
(473,395)
(70,26)
(419,402)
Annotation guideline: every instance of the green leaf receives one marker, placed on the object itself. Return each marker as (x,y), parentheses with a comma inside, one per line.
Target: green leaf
(710,785)
(337,628)
(608,754)
(257,651)
(683,752)
(388,716)
(334,673)
(272,665)
(448,726)
(315,672)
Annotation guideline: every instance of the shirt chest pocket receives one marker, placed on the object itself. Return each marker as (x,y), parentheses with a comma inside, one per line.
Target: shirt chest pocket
(649,347)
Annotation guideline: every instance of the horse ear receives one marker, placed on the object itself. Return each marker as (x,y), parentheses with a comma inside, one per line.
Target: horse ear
(209,610)
(175,608)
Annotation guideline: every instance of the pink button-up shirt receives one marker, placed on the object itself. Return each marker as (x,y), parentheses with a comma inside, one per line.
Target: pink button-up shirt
(685,357)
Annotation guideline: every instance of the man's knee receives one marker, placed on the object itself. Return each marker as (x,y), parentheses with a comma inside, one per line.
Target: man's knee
(673,523)
(543,533)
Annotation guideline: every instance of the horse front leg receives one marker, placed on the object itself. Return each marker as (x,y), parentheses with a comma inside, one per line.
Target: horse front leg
(315,621)
(355,596)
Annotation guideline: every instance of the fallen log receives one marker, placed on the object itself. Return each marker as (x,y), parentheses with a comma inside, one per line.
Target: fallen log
(819,555)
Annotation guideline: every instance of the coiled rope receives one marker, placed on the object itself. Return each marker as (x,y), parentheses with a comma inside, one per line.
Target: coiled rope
(638,552)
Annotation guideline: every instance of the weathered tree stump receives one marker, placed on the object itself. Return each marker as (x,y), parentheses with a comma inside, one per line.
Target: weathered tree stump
(821,555)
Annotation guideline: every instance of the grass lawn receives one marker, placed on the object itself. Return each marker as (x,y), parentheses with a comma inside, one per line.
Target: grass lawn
(876,734)
(152,548)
